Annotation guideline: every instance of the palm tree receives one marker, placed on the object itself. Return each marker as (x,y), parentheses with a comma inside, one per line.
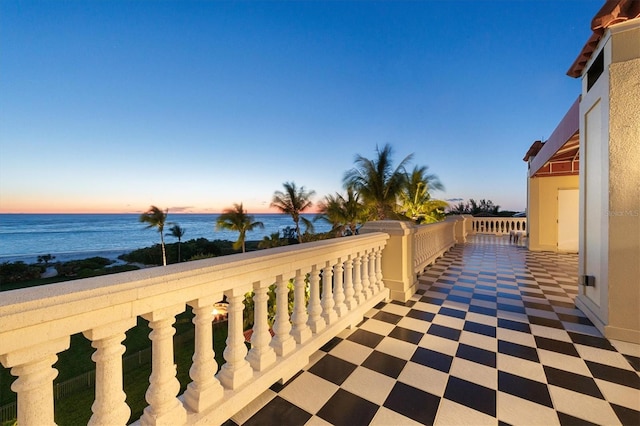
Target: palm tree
(237,219)
(378,182)
(272,240)
(343,213)
(415,199)
(177,232)
(294,201)
(156,218)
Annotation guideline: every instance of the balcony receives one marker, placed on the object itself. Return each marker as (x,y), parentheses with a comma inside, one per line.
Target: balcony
(488,333)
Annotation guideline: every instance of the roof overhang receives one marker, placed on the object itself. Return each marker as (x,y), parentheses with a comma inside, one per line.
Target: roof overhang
(559,155)
(613,12)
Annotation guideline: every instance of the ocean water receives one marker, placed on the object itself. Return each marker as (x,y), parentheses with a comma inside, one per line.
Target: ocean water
(77,236)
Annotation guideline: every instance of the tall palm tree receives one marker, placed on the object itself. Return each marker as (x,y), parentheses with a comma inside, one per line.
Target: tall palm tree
(294,201)
(378,182)
(343,213)
(237,219)
(415,199)
(178,232)
(156,218)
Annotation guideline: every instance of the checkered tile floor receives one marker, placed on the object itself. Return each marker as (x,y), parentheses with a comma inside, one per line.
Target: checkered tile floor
(491,337)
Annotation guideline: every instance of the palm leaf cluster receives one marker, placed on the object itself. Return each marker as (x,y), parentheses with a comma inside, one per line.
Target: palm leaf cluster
(237,219)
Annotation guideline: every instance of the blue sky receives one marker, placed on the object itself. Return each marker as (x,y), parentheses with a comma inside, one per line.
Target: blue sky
(111,106)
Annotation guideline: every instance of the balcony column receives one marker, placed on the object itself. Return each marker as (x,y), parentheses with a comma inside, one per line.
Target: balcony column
(236,371)
(338,289)
(282,341)
(109,406)
(328,313)
(261,354)
(358,294)
(366,284)
(34,384)
(300,330)
(164,386)
(315,322)
(349,301)
(205,389)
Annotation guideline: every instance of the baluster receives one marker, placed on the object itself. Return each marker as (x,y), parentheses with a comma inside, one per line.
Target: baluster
(338,289)
(109,406)
(205,388)
(282,341)
(316,322)
(358,293)
(379,276)
(366,284)
(300,330)
(328,312)
(349,292)
(236,371)
(372,272)
(261,354)
(34,383)
(163,407)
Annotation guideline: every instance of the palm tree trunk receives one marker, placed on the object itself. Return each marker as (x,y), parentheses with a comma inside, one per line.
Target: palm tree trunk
(164,254)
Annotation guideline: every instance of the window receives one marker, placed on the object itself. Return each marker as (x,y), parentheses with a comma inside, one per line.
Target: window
(597,67)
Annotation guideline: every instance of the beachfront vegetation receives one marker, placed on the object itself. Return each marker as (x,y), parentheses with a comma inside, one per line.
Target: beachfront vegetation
(272,240)
(294,201)
(156,218)
(415,197)
(178,232)
(480,208)
(237,219)
(345,213)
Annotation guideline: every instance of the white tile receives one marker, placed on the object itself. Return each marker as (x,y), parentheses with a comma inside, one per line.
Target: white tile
(620,395)
(521,367)
(309,392)
(447,321)
(475,373)
(541,313)
(351,351)
(518,337)
(582,328)
(479,341)
(414,324)
(317,421)
(626,348)
(369,384)
(396,309)
(455,305)
(484,304)
(397,348)
(346,332)
(513,316)
(424,378)
(378,327)
(482,319)
(583,406)
(253,407)
(563,362)
(518,411)
(603,356)
(386,417)
(439,344)
(426,307)
(452,413)
(550,332)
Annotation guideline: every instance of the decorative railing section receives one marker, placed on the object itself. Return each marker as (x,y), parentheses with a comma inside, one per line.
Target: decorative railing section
(430,242)
(498,225)
(343,279)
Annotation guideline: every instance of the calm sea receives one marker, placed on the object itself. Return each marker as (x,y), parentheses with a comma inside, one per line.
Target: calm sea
(78,236)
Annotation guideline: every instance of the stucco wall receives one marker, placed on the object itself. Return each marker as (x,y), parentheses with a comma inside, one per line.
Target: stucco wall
(624,187)
(542,216)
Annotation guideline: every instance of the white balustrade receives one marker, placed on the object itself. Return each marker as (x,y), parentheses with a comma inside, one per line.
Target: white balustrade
(430,242)
(498,225)
(36,324)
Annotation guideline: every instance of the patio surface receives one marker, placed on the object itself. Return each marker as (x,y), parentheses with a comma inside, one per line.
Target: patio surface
(491,337)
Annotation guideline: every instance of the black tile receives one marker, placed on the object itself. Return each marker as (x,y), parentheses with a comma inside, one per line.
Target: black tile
(567,420)
(431,300)
(626,415)
(572,381)
(562,304)
(556,346)
(532,294)
(546,322)
(452,313)
(463,288)
(442,331)
(443,281)
(385,364)
(514,325)
(439,289)
(593,341)
(436,360)
(509,295)
(634,361)
(486,280)
(229,422)
(512,308)
(413,403)
(471,395)
(524,388)
(485,297)
(345,408)
(466,280)
(481,356)
(483,310)
(406,335)
(421,315)
(365,338)
(474,327)
(485,287)
(333,369)
(459,299)
(575,319)
(281,409)
(540,306)
(518,351)
(380,305)
(331,344)
(387,317)
(613,374)
(277,387)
